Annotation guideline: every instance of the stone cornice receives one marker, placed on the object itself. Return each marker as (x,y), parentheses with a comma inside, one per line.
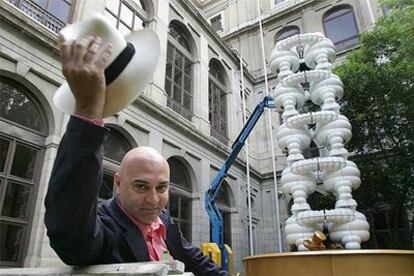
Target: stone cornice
(28,26)
(200,18)
(254,24)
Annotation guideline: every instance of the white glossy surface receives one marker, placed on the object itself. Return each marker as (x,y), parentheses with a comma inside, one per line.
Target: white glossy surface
(329,130)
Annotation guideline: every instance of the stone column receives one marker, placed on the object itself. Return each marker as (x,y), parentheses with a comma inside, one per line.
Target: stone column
(200,100)
(155,90)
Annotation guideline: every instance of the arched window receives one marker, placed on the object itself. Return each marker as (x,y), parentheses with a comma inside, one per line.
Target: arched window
(178,72)
(54,14)
(23,130)
(223,204)
(115,147)
(286,32)
(217,101)
(180,196)
(341,27)
(127,16)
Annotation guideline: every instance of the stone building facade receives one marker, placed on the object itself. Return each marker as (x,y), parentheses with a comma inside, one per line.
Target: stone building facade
(191,111)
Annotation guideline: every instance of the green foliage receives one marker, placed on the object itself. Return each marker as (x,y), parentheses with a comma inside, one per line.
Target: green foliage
(319,201)
(379,101)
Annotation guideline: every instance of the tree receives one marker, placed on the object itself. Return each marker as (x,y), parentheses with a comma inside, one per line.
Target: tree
(379,102)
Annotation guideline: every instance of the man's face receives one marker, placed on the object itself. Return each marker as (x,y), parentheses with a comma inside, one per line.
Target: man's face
(142,184)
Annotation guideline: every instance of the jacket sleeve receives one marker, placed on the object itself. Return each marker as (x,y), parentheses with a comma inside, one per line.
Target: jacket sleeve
(73,226)
(191,256)
(198,263)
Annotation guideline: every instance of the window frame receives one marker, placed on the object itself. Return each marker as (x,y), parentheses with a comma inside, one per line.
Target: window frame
(182,192)
(137,11)
(219,15)
(275,3)
(71,4)
(178,49)
(17,134)
(285,30)
(343,43)
(28,134)
(40,14)
(111,166)
(216,119)
(225,212)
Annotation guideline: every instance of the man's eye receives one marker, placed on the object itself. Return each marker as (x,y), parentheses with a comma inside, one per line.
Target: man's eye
(140,187)
(162,189)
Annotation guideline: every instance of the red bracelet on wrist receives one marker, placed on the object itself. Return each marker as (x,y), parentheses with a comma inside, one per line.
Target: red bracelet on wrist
(97,122)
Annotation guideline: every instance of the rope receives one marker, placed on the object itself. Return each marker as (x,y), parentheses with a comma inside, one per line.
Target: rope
(249,203)
(270,132)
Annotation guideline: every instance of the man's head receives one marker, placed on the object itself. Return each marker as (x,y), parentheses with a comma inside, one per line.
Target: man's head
(142,183)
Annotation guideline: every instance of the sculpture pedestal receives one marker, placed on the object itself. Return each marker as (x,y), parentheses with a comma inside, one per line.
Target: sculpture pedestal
(333,263)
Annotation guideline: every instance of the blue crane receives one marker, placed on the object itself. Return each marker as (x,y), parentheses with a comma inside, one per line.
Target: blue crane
(211,194)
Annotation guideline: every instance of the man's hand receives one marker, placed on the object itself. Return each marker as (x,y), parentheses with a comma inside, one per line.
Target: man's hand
(83,65)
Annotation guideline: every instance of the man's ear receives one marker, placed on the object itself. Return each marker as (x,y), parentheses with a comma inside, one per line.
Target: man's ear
(117,182)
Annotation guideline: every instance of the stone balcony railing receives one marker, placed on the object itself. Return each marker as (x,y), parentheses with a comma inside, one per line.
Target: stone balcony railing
(219,136)
(144,268)
(39,14)
(179,108)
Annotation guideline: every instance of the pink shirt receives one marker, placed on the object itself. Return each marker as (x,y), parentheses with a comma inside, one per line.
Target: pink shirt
(155,235)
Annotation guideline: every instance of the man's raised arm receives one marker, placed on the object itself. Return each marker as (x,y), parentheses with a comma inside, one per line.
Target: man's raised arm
(71,202)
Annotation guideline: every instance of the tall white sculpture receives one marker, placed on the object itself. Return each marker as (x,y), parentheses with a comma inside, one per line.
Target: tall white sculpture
(333,172)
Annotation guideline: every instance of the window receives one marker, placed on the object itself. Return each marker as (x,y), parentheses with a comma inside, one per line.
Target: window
(107,188)
(253,237)
(277,4)
(178,75)
(246,94)
(23,131)
(286,32)
(217,22)
(54,14)
(341,27)
(217,101)
(252,201)
(126,17)
(180,196)
(115,147)
(223,204)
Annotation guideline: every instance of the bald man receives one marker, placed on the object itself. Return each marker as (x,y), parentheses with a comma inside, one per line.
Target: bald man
(134,225)
(142,184)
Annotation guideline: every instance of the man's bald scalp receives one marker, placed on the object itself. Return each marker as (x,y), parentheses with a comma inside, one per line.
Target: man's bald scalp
(142,154)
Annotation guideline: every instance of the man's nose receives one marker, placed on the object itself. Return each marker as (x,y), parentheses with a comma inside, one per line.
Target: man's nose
(152,196)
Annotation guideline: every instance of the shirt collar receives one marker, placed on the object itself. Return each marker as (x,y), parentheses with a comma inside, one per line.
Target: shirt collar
(156,227)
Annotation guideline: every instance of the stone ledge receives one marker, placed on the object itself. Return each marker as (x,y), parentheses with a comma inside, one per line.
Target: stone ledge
(143,268)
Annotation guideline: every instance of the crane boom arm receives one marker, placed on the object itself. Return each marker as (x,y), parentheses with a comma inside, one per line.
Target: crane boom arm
(211,194)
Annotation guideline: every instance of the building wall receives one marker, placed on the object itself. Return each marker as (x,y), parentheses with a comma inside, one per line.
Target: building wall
(241,22)
(30,55)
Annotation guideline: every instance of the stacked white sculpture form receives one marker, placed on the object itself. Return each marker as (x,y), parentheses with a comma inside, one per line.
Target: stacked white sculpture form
(333,172)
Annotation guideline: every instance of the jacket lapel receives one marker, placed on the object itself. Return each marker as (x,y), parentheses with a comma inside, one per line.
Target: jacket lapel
(173,240)
(137,244)
(131,233)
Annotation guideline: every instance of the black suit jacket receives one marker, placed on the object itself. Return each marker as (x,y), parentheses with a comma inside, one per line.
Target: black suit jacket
(83,232)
